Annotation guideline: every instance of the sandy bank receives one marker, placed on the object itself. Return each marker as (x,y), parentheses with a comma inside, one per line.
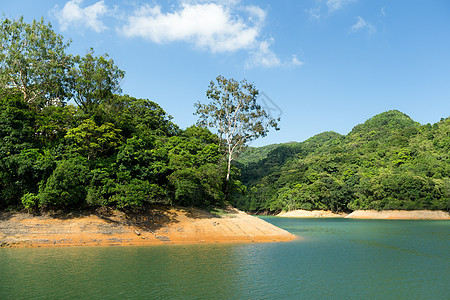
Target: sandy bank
(154,227)
(310,214)
(400,214)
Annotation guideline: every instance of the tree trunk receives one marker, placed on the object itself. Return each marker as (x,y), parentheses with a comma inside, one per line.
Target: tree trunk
(229,167)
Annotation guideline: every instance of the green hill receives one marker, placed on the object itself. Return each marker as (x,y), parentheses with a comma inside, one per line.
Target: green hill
(388,162)
(255,154)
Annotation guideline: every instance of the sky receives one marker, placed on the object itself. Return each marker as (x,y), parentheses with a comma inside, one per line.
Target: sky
(320,65)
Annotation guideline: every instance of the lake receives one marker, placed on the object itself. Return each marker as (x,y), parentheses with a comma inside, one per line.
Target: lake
(335,259)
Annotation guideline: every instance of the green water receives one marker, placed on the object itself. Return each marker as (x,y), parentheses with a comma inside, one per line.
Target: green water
(336,259)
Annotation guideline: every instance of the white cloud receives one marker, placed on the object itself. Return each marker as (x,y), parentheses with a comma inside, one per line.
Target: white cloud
(263,56)
(361,25)
(314,13)
(217,26)
(323,8)
(337,4)
(73,14)
(211,26)
(334,4)
(295,61)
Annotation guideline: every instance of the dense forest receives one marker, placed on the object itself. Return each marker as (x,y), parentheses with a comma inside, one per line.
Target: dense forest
(126,153)
(69,139)
(389,162)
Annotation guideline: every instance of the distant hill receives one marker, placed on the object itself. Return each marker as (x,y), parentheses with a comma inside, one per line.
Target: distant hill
(388,162)
(254,154)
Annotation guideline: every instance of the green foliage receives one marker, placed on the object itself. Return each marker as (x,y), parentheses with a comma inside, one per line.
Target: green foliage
(137,193)
(135,117)
(21,173)
(94,81)
(33,61)
(30,201)
(108,150)
(197,168)
(66,186)
(92,140)
(53,122)
(255,154)
(16,124)
(389,162)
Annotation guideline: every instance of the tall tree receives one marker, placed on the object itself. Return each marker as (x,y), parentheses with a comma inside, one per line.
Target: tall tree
(236,115)
(95,80)
(33,61)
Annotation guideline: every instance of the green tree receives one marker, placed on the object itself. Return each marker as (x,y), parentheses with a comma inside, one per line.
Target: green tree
(234,112)
(66,187)
(95,80)
(16,125)
(136,117)
(53,122)
(92,140)
(33,61)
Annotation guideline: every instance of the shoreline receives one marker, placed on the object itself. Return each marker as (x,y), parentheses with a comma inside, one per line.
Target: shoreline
(300,213)
(159,226)
(370,214)
(400,214)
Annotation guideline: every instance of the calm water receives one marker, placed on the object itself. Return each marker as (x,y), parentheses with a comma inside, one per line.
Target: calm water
(337,258)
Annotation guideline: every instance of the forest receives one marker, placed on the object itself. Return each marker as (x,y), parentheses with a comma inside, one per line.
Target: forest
(70,139)
(389,162)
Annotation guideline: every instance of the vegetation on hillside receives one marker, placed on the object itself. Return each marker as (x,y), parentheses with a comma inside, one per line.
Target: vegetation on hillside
(109,149)
(255,154)
(389,162)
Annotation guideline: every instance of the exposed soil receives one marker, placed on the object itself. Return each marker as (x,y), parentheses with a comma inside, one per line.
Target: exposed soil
(400,214)
(311,214)
(370,214)
(155,226)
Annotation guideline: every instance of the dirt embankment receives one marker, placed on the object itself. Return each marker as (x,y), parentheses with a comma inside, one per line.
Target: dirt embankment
(311,214)
(370,214)
(400,214)
(156,226)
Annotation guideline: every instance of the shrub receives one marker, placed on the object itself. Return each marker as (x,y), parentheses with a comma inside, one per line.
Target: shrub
(66,187)
(30,201)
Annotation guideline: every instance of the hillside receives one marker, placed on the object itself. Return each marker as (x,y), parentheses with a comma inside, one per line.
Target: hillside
(388,162)
(255,154)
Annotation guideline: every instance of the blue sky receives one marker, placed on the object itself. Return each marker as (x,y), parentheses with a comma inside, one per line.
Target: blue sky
(326,64)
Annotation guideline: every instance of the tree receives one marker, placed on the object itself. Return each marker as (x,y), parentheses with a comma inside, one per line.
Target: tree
(33,61)
(66,187)
(95,80)
(234,112)
(91,140)
(16,125)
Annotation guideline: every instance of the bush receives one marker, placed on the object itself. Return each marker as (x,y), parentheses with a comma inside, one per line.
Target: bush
(137,193)
(30,201)
(66,187)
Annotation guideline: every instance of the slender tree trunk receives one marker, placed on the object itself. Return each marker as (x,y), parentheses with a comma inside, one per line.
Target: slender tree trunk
(229,167)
